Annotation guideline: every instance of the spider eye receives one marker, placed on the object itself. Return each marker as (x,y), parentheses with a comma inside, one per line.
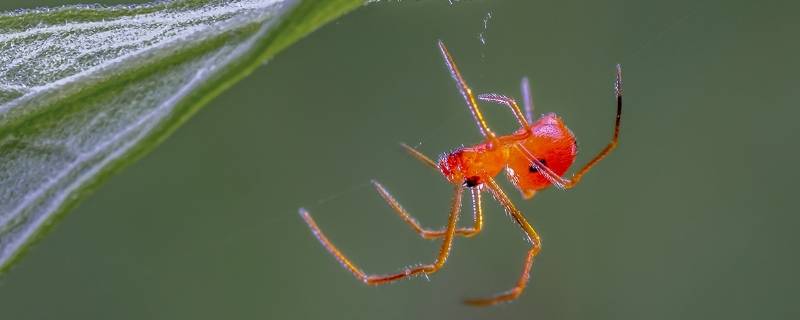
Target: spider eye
(472,182)
(533,169)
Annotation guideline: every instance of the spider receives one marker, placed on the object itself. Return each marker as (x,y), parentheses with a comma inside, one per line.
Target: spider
(534,157)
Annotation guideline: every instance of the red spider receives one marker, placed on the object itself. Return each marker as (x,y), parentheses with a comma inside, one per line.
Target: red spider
(534,157)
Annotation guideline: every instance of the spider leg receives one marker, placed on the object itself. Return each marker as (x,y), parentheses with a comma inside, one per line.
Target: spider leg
(420,156)
(614,139)
(466,92)
(527,101)
(498,98)
(533,237)
(444,250)
(433,234)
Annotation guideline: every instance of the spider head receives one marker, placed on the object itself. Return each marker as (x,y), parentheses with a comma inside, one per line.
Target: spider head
(472,166)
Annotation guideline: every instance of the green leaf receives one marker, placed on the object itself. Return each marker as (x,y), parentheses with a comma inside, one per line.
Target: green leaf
(85,90)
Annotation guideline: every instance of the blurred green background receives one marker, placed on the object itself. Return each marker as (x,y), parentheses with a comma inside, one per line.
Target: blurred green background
(691,218)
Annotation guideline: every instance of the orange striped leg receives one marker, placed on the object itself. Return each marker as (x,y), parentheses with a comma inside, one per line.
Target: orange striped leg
(533,237)
(466,92)
(510,103)
(420,156)
(433,234)
(444,250)
(514,292)
(614,139)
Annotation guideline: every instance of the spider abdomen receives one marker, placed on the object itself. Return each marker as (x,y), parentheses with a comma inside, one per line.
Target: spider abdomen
(550,142)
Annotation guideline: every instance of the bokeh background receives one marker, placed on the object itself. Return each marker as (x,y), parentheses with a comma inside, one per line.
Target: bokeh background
(694,217)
